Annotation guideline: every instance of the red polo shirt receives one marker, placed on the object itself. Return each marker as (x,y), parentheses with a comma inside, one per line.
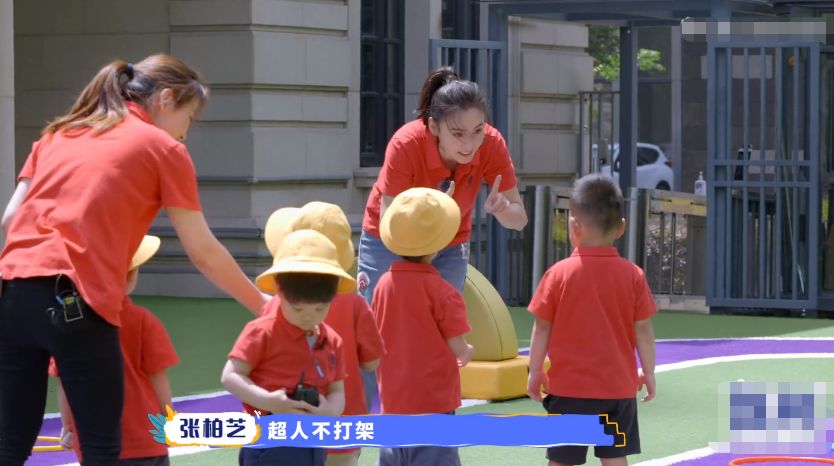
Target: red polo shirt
(413,160)
(351,318)
(147,350)
(593,299)
(91,200)
(416,312)
(279,353)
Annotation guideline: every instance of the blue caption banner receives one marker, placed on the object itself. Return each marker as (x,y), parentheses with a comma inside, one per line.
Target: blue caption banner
(388,431)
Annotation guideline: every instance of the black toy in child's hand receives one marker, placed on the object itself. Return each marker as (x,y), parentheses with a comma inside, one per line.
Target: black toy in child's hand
(305,393)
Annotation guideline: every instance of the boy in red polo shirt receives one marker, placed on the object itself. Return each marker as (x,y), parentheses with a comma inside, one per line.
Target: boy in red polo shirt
(422,319)
(290,344)
(592,311)
(147,352)
(349,314)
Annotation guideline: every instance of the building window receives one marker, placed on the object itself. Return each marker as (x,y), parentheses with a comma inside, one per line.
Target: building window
(381,105)
(460,19)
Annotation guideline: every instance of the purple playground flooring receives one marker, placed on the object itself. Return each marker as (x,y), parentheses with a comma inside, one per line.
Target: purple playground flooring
(723,459)
(667,352)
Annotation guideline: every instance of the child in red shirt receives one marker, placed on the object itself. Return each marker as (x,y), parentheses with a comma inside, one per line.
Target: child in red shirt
(592,310)
(147,352)
(349,314)
(422,319)
(290,344)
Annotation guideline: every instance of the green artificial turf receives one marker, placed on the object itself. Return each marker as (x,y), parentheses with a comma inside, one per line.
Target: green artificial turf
(683,417)
(671,325)
(203,331)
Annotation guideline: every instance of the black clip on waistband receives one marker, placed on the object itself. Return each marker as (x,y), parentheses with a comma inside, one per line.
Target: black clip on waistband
(69,299)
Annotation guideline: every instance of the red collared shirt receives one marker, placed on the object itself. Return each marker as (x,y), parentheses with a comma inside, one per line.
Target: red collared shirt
(413,160)
(593,299)
(351,318)
(91,200)
(416,311)
(147,350)
(279,353)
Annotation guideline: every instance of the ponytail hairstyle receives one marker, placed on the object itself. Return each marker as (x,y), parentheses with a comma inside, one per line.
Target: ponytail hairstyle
(434,81)
(444,93)
(455,97)
(103,103)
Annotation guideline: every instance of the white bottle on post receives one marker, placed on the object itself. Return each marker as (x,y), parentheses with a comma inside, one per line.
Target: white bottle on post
(700,185)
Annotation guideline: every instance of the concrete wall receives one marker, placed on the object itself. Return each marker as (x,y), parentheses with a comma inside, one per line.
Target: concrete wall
(281,127)
(548,67)
(7,169)
(283,86)
(56,54)
(278,130)
(423,21)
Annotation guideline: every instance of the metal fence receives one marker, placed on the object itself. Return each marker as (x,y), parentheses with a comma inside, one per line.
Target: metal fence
(597,128)
(668,243)
(764,219)
(674,242)
(483,62)
(514,247)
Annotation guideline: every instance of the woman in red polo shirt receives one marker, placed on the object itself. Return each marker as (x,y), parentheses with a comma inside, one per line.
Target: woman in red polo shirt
(87,194)
(451,148)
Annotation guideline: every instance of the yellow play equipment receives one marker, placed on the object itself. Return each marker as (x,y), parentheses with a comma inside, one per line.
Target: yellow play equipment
(496,371)
(44,439)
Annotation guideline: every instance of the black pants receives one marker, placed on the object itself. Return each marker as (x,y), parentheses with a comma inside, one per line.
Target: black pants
(33,327)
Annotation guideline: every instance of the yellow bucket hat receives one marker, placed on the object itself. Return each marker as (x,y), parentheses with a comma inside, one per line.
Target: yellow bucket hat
(325,218)
(147,248)
(419,222)
(305,251)
(329,220)
(278,226)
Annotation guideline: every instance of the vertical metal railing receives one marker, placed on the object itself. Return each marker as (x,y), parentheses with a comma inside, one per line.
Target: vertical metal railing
(597,135)
(674,240)
(669,243)
(764,220)
(484,62)
(517,249)
(481,61)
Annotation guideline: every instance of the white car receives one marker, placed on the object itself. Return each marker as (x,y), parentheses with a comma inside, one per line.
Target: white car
(654,169)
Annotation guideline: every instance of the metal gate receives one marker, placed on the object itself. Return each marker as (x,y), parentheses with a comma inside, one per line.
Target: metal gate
(485,62)
(763,220)
(481,61)
(598,115)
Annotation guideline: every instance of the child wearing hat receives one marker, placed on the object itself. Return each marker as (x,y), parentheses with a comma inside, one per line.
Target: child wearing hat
(422,319)
(292,346)
(593,311)
(147,352)
(349,313)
